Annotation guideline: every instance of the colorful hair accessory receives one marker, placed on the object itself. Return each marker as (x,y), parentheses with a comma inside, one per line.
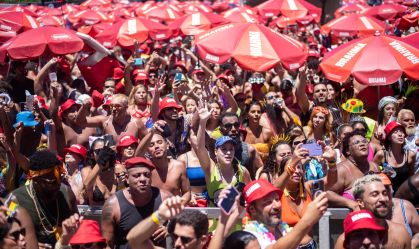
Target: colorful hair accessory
(321,109)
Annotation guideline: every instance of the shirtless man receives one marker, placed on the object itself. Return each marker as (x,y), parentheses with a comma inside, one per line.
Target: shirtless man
(371,195)
(355,149)
(131,205)
(402,212)
(118,123)
(170,174)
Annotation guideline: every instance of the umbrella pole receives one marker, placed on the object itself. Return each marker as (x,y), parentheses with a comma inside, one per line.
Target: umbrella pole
(9,65)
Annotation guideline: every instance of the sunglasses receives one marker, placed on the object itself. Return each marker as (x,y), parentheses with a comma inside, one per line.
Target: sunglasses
(230,126)
(272,97)
(89,245)
(152,76)
(296,142)
(96,151)
(16,234)
(183,239)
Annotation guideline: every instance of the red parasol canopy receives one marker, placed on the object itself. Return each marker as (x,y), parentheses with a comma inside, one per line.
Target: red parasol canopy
(349,9)
(192,7)
(253,46)
(33,43)
(21,9)
(353,24)
(289,8)
(241,14)
(198,22)
(95,29)
(363,58)
(162,13)
(127,32)
(385,11)
(48,20)
(412,39)
(95,3)
(87,17)
(16,21)
(408,20)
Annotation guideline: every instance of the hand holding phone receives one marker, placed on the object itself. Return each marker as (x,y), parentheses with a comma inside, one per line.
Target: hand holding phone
(317,187)
(225,203)
(52,77)
(314,149)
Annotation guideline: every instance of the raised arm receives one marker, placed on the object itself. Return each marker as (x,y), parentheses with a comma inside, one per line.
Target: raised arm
(300,86)
(40,77)
(139,236)
(154,108)
(201,152)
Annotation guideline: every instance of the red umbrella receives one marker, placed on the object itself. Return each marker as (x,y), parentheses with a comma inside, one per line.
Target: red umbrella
(33,43)
(374,60)
(198,22)
(47,20)
(409,20)
(412,39)
(313,10)
(192,7)
(87,17)
(18,8)
(349,9)
(69,8)
(16,21)
(162,13)
(241,14)
(127,32)
(95,29)
(95,3)
(353,24)
(289,8)
(282,21)
(385,11)
(253,46)
(50,12)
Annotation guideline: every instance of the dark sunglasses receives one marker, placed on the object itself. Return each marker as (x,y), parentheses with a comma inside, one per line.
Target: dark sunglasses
(89,245)
(183,239)
(97,151)
(16,234)
(230,126)
(298,142)
(272,97)
(152,76)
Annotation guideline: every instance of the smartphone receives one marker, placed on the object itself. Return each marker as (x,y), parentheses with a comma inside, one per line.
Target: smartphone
(227,203)
(317,187)
(138,61)
(314,149)
(52,77)
(29,102)
(178,77)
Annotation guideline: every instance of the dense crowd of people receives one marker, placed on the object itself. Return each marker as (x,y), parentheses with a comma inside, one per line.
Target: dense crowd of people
(169,133)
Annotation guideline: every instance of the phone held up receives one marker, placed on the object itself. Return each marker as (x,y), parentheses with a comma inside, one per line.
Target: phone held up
(317,187)
(227,203)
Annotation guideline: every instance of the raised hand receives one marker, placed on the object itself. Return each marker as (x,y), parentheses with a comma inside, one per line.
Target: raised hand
(300,152)
(329,154)
(70,226)
(315,209)
(170,208)
(204,114)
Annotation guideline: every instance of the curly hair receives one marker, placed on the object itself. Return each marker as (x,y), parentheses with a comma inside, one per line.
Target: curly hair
(358,186)
(327,123)
(347,139)
(43,159)
(271,162)
(193,218)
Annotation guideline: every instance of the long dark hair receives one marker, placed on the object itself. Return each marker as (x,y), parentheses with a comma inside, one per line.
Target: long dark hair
(90,158)
(270,164)
(274,114)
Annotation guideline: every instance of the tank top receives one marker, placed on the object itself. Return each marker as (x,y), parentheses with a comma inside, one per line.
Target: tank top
(132,215)
(195,174)
(402,171)
(242,155)
(288,214)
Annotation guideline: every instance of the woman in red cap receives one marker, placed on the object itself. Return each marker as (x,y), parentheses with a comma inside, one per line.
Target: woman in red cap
(394,155)
(74,160)
(125,149)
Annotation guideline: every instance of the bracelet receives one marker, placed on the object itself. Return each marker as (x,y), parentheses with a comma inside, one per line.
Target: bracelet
(331,164)
(155,218)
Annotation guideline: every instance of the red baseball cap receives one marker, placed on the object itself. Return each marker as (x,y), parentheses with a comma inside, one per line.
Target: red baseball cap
(65,106)
(141,76)
(199,70)
(312,53)
(182,65)
(88,232)
(391,127)
(258,189)
(168,103)
(126,141)
(77,149)
(137,162)
(361,219)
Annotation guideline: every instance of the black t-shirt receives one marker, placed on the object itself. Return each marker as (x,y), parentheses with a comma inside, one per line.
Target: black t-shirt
(19,86)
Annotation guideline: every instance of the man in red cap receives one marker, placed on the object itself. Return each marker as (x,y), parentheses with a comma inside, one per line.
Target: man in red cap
(131,205)
(371,194)
(263,202)
(362,231)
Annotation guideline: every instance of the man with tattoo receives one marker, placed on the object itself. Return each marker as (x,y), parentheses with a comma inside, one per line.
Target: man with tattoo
(131,205)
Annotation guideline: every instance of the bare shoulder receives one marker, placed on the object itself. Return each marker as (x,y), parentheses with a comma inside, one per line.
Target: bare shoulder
(176,166)
(397,232)
(109,209)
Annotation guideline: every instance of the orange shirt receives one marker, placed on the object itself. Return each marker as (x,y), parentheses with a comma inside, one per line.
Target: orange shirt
(289,215)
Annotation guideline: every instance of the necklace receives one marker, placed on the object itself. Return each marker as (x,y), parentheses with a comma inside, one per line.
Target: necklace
(41,214)
(300,194)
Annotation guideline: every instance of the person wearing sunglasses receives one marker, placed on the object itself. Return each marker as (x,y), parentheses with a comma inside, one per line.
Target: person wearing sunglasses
(187,228)
(12,234)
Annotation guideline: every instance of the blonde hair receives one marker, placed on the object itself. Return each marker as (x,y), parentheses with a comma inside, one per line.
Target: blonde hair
(122,98)
(402,112)
(131,97)
(359,184)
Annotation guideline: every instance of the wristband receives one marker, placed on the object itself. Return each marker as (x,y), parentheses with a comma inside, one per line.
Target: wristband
(331,164)
(155,218)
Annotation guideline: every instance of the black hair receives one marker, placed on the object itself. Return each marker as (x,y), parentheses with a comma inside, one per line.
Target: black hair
(362,122)
(90,158)
(5,87)
(313,63)
(238,240)
(4,229)
(346,139)
(193,218)
(227,114)
(30,66)
(275,116)
(110,79)
(270,163)
(286,85)
(340,128)
(43,159)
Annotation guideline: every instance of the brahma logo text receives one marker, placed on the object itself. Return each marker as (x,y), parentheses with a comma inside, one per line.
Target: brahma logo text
(405,52)
(60,37)
(255,43)
(378,80)
(348,56)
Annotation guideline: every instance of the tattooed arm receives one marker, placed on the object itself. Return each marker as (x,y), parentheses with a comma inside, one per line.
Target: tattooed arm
(109,220)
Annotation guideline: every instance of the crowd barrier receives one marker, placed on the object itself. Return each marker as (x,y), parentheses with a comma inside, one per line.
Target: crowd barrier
(325,233)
